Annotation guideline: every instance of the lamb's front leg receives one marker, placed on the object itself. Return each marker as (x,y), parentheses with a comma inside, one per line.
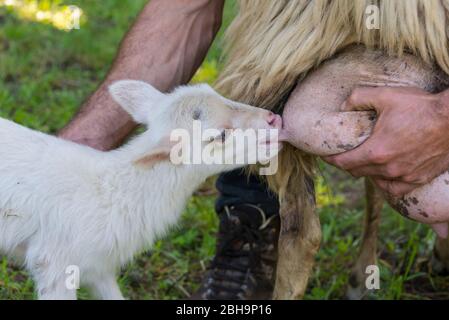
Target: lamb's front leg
(58,292)
(106,288)
(299,240)
(53,289)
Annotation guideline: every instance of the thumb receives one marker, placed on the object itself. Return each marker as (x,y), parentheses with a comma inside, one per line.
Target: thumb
(364,99)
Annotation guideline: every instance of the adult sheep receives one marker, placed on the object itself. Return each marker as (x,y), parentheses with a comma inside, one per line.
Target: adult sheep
(274,45)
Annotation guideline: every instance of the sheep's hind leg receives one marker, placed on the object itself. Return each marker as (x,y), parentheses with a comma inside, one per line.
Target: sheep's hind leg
(368,249)
(299,240)
(439,262)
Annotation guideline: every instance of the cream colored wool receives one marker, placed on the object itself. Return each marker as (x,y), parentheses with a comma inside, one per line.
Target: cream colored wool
(272,44)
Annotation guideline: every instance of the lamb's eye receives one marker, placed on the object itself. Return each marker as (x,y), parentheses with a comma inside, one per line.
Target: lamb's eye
(223,136)
(196,114)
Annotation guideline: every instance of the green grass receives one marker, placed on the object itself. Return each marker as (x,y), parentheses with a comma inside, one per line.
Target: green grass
(46,74)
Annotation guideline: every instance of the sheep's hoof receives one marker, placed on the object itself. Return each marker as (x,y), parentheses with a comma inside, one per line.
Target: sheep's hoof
(437,266)
(356,289)
(355,293)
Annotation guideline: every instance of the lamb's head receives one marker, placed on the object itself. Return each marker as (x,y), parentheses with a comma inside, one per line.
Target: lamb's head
(194,123)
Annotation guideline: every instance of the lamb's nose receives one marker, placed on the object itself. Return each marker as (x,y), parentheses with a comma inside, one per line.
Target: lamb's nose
(274,120)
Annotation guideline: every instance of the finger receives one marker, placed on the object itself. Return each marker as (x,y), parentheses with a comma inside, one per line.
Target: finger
(370,170)
(424,173)
(390,171)
(358,157)
(362,99)
(395,188)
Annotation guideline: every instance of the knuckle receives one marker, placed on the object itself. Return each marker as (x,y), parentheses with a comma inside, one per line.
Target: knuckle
(330,159)
(338,163)
(421,180)
(411,178)
(393,171)
(356,96)
(415,179)
(353,97)
(396,194)
(395,191)
(379,156)
(389,190)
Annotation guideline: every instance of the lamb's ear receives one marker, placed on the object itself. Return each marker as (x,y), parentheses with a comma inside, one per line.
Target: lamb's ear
(138,98)
(155,156)
(158,154)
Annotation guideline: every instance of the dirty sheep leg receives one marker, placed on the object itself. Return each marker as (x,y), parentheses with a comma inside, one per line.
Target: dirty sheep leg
(299,240)
(368,250)
(440,256)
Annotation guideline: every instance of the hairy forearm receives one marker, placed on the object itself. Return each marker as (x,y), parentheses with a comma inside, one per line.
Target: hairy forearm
(165,46)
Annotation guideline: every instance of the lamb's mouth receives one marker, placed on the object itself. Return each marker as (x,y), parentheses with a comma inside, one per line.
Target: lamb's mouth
(283,135)
(276,122)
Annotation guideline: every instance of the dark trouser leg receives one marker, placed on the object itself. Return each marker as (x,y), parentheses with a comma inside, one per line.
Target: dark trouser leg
(237,188)
(245,259)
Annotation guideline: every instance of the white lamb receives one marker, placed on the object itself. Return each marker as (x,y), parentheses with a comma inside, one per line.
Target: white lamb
(64,204)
